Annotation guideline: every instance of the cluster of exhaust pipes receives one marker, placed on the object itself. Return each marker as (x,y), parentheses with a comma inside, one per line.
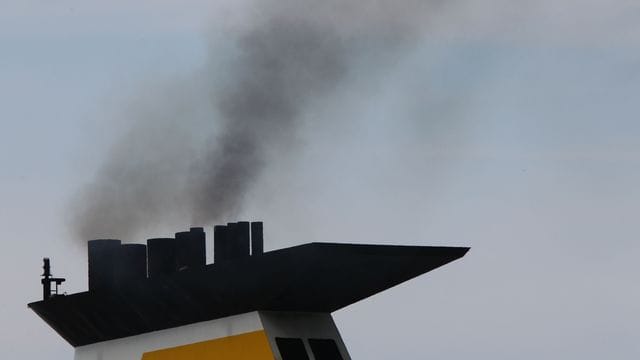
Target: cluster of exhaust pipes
(113,264)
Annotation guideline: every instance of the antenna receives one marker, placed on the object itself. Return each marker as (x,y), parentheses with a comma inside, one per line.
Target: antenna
(47,280)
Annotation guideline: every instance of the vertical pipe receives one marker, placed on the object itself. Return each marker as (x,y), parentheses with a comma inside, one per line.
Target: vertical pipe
(161,256)
(130,265)
(219,243)
(199,246)
(190,249)
(102,254)
(243,245)
(46,284)
(232,241)
(257,241)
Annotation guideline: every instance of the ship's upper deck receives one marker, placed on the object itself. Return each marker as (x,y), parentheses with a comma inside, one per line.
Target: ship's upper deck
(315,277)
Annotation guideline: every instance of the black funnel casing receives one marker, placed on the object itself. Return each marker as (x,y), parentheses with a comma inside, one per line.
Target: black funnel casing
(130,264)
(190,249)
(161,256)
(257,240)
(233,241)
(220,243)
(102,255)
(242,242)
(232,233)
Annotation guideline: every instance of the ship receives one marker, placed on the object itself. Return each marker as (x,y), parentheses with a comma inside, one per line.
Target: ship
(161,300)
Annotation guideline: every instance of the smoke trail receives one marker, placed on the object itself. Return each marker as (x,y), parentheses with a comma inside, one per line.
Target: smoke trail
(280,68)
(296,51)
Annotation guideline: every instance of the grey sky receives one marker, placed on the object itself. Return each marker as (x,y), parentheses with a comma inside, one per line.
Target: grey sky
(509,126)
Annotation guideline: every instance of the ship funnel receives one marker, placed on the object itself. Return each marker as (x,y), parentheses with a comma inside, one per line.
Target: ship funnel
(130,264)
(102,255)
(257,242)
(237,240)
(161,256)
(190,249)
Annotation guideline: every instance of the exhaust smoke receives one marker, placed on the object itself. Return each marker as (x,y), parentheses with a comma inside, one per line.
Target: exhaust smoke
(163,172)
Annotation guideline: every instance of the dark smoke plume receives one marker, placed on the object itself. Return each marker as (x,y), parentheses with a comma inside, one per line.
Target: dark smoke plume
(279,69)
(167,169)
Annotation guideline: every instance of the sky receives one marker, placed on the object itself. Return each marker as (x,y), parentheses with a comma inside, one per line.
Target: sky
(509,127)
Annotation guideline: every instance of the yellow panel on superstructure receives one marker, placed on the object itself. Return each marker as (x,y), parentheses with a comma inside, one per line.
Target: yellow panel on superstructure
(248,346)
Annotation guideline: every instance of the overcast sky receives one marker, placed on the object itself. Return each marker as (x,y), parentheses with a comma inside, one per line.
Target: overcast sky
(511,127)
